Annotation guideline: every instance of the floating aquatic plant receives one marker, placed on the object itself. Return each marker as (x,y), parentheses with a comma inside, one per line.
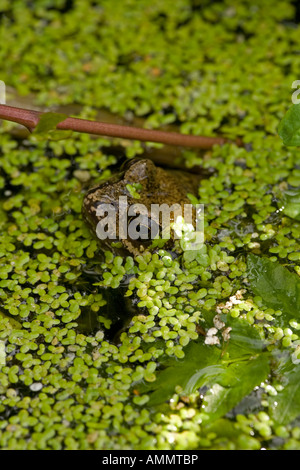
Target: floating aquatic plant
(67,379)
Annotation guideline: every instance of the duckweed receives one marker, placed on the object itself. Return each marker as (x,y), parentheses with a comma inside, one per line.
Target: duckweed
(70,375)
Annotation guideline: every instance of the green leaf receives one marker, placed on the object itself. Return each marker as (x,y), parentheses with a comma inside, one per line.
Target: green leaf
(46,127)
(286,404)
(231,377)
(198,368)
(276,285)
(10,322)
(2,354)
(244,339)
(289,127)
(48,122)
(291,203)
(224,430)
(235,382)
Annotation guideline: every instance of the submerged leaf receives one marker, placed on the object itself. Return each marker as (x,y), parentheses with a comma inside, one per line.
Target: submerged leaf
(244,339)
(291,203)
(10,322)
(2,354)
(236,381)
(276,285)
(231,377)
(198,368)
(289,127)
(286,403)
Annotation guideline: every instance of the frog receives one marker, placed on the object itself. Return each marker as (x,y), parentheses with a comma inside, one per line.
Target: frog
(155,185)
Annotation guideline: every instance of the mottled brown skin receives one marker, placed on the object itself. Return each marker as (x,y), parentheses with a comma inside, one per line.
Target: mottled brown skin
(158,186)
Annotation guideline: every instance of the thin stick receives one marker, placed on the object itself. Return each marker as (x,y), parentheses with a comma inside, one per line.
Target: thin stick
(30,119)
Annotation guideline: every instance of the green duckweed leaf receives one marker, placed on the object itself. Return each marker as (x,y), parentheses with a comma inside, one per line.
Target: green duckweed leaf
(289,127)
(276,285)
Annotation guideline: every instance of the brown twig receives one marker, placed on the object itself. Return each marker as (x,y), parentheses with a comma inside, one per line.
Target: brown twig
(30,119)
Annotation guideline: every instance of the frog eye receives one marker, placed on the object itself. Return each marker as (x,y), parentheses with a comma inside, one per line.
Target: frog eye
(127,164)
(142,228)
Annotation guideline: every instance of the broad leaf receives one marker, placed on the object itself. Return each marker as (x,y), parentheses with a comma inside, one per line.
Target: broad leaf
(289,127)
(291,203)
(235,382)
(286,404)
(275,284)
(233,376)
(46,127)
(48,122)
(199,367)
(244,339)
